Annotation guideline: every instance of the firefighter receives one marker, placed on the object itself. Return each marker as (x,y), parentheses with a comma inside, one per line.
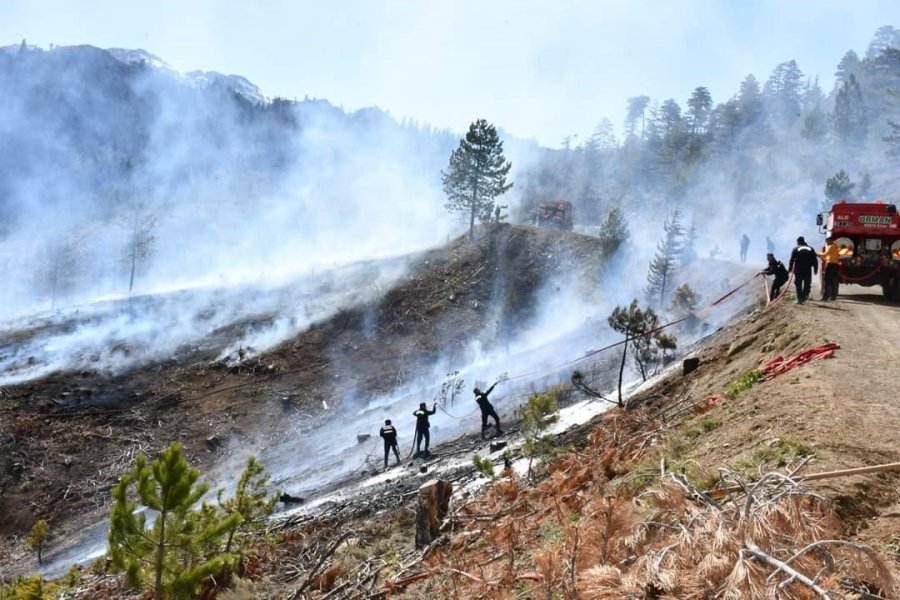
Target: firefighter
(776,268)
(831,255)
(422,426)
(745,244)
(389,434)
(803,264)
(487,410)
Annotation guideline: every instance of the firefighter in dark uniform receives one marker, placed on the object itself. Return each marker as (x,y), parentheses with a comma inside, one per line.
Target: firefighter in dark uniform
(804,263)
(776,268)
(487,410)
(389,434)
(422,426)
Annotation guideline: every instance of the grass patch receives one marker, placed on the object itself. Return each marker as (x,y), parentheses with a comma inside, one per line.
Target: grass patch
(705,425)
(780,454)
(744,383)
(551,532)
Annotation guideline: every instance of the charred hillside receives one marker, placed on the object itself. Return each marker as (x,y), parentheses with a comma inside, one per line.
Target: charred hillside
(66,438)
(487,292)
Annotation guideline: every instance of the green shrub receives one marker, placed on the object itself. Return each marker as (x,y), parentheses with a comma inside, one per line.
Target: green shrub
(746,381)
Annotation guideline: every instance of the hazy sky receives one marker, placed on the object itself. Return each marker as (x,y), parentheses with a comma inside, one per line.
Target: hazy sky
(539,69)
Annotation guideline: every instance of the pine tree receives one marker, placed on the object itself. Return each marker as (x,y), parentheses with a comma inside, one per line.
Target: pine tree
(726,123)
(849,117)
(839,186)
(665,262)
(782,90)
(639,328)
(689,249)
(166,555)
(613,233)
(815,122)
(749,101)
(849,65)
(36,538)
(139,224)
(537,415)
(699,110)
(604,136)
(476,173)
(885,37)
(250,500)
(637,109)
(684,306)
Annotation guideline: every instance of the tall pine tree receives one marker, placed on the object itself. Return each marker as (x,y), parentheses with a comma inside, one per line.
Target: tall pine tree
(476,173)
(849,117)
(613,233)
(665,262)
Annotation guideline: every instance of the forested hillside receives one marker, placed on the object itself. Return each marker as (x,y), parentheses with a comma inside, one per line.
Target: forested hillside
(754,160)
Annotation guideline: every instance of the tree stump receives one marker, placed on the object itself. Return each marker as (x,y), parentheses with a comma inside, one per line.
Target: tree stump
(434,502)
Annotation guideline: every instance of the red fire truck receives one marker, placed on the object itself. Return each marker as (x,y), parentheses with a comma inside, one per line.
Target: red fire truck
(868,236)
(554,214)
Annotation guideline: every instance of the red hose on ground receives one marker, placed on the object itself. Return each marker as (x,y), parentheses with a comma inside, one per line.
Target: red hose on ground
(779,366)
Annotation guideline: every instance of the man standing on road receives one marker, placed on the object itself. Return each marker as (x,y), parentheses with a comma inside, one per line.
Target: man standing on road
(422,426)
(831,256)
(487,410)
(389,434)
(804,263)
(776,268)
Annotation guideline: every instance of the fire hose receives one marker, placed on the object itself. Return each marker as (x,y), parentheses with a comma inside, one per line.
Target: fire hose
(780,365)
(595,352)
(863,278)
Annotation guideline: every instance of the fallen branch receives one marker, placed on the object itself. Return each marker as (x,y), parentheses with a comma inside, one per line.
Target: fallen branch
(830,474)
(757,553)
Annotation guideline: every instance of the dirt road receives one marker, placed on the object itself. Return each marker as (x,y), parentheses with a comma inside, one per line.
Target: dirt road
(843,411)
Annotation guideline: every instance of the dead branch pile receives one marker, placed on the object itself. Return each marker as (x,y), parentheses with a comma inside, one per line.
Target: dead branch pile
(575,535)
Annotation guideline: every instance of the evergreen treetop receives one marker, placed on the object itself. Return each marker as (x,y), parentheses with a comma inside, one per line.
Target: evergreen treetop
(476,173)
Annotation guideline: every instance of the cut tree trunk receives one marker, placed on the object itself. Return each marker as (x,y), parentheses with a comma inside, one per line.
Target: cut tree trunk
(434,502)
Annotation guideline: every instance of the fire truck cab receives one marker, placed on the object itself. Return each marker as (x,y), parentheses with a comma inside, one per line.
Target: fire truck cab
(554,214)
(868,238)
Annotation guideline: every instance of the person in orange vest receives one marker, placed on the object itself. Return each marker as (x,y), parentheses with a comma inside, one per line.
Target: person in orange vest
(389,434)
(831,256)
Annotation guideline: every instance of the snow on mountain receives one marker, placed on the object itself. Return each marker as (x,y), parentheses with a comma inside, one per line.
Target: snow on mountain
(239,85)
(131,57)
(198,79)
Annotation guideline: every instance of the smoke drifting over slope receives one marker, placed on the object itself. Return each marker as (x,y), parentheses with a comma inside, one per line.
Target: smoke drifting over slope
(230,190)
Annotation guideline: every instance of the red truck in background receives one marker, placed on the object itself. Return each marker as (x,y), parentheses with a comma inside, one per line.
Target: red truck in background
(554,214)
(868,237)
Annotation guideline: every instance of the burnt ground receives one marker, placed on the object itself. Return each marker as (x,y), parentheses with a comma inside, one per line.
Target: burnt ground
(66,438)
(840,412)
